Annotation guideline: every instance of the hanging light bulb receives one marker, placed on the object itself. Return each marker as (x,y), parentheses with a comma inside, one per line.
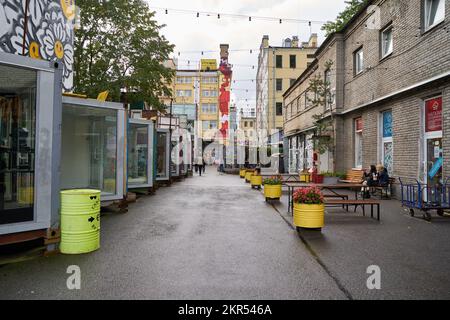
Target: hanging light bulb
(167,11)
(198,14)
(250,19)
(281,21)
(218,16)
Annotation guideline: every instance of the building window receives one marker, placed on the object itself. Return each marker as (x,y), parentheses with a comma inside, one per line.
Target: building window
(387,42)
(209,80)
(293,61)
(291,82)
(310,56)
(209,93)
(279,84)
(358,142)
(251,124)
(209,108)
(184,80)
(386,140)
(434,13)
(184,93)
(279,108)
(279,61)
(207,125)
(359,61)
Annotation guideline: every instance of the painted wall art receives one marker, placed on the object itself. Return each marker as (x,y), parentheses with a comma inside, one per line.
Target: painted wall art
(41,29)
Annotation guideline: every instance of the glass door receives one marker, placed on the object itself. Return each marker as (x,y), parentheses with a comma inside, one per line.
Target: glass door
(434,161)
(17,144)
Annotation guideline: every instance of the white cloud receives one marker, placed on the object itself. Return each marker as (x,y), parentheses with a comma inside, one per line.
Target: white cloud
(190,33)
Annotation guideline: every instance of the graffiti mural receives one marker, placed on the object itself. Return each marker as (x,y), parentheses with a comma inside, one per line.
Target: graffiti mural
(41,29)
(224,95)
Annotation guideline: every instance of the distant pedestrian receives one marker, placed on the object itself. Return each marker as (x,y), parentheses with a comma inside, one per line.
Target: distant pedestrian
(204,165)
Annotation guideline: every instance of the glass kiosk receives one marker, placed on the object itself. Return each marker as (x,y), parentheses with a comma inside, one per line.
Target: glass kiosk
(140,153)
(93,142)
(162,155)
(30,118)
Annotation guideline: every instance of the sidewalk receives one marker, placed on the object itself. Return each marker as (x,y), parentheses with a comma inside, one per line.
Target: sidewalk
(414,255)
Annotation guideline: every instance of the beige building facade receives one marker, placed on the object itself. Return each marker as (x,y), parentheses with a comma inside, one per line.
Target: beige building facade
(278,69)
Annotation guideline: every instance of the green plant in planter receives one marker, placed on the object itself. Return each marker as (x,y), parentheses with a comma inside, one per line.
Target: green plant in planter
(273,181)
(309,208)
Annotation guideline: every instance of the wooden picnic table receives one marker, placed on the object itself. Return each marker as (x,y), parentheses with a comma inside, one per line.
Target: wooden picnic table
(287,177)
(330,187)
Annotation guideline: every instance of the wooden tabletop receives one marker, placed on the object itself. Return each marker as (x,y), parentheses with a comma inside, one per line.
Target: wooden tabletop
(325,186)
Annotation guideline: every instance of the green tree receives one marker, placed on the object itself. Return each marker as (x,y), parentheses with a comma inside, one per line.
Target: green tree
(118,48)
(319,97)
(353,6)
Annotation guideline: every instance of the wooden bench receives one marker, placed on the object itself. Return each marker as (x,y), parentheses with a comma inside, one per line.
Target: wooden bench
(387,189)
(357,203)
(354,176)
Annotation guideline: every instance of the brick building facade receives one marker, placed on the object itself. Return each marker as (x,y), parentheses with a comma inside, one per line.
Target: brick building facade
(389,91)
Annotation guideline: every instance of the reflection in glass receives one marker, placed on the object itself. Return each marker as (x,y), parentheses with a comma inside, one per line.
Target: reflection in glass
(17,143)
(137,154)
(89,148)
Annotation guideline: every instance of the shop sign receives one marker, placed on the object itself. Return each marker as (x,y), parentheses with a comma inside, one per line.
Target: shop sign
(433,115)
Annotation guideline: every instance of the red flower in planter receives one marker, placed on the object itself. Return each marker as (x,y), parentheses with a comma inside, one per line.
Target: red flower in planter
(311,195)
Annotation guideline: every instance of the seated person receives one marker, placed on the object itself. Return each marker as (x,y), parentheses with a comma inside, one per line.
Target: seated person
(371,178)
(383,176)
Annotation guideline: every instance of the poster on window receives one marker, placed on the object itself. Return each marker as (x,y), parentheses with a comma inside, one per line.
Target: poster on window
(433,115)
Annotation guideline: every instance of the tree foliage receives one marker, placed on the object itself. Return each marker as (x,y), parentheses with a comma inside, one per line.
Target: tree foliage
(118,47)
(353,6)
(319,97)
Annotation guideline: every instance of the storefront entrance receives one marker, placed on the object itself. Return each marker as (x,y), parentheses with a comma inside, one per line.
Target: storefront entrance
(433,142)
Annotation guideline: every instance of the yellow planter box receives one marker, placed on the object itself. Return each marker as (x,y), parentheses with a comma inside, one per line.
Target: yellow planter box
(256,181)
(272,191)
(248,176)
(305,177)
(310,216)
(242,173)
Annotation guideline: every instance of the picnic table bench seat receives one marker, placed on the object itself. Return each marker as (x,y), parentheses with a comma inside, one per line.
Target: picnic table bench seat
(356,203)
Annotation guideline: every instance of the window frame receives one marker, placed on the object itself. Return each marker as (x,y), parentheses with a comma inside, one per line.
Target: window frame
(279,81)
(425,16)
(277,107)
(293,65)
(384,54)
(280,64)
(355,61)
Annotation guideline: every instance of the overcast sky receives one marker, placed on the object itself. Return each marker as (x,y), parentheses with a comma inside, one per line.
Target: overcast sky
(190,33)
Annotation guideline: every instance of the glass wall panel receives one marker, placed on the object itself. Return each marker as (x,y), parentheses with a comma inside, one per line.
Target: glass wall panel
(137,154)
(89,148)
(161,163)
(17,143)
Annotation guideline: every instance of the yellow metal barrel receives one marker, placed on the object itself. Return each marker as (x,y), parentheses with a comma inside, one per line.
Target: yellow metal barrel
(80,221)
(256,180)
(242,173)
(248,176)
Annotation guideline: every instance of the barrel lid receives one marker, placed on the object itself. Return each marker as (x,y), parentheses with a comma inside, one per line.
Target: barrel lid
(80,192)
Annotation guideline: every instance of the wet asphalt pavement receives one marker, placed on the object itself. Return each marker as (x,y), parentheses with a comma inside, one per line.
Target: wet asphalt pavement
(208,237)
(212,237)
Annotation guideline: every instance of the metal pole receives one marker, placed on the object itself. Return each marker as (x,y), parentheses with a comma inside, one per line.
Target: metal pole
(170,140)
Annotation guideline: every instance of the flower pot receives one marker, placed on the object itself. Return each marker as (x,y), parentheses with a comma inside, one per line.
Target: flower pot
(256,181)
(305,177)
(272,191)
(242,173)
(248,176)
(317,178)
(309,216)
